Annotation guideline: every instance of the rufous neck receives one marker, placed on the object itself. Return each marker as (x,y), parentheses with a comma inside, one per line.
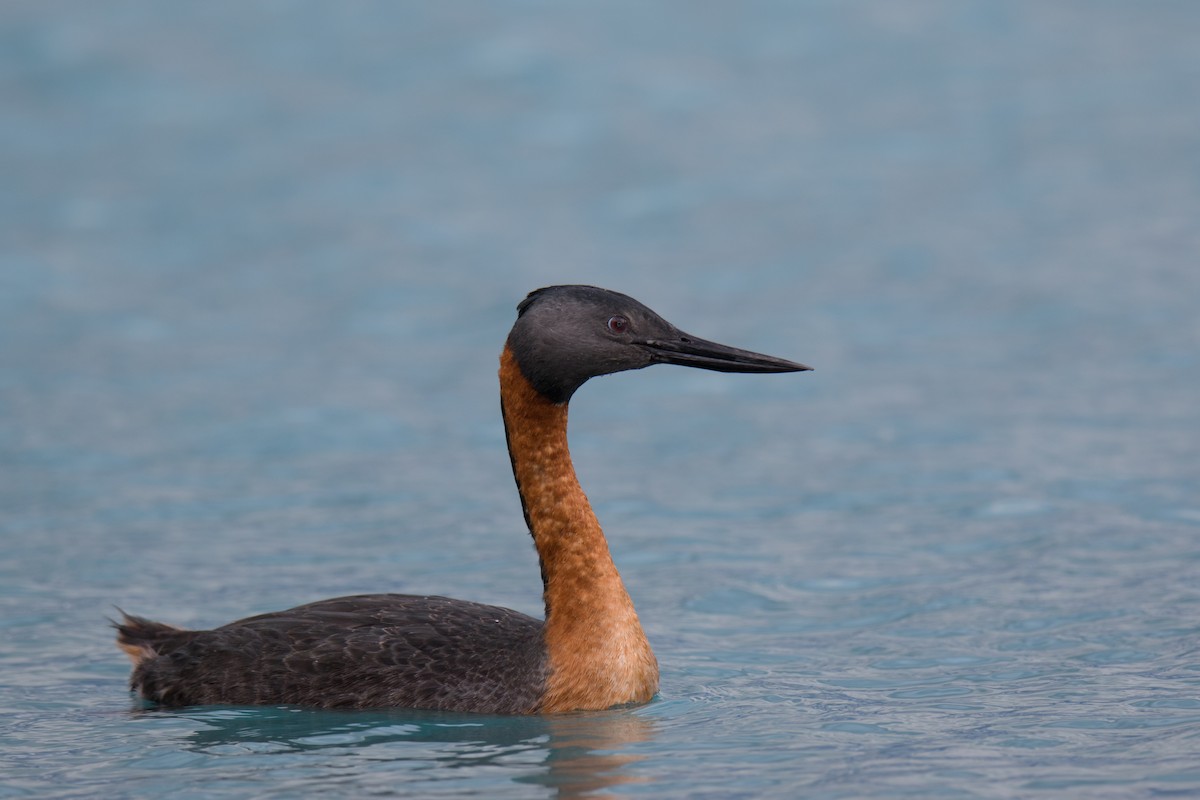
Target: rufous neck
(558,513)
(597,650)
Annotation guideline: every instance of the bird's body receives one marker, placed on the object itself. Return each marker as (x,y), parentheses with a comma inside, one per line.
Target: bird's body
(390,650)
(364,651)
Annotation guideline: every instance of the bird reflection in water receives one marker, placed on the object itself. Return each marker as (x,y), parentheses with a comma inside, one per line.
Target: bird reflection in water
(576,755)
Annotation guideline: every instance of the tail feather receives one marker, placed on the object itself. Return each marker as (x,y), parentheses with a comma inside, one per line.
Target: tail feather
(141,638)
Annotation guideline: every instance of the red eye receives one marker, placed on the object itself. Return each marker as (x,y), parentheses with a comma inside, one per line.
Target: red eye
(618,324)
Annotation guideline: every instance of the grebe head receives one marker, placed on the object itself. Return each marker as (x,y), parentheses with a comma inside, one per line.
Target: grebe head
(566,334)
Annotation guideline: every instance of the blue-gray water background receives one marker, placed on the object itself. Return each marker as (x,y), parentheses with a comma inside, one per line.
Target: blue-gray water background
(257,263)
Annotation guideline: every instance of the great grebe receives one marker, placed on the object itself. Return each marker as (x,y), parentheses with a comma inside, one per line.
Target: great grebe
(393,650)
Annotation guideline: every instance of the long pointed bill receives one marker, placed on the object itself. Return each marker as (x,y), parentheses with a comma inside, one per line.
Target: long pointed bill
(690,351)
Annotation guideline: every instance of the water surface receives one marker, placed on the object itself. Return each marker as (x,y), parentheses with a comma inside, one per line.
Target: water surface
(258,263)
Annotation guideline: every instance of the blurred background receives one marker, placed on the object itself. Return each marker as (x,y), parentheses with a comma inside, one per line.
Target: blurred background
(257,261)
